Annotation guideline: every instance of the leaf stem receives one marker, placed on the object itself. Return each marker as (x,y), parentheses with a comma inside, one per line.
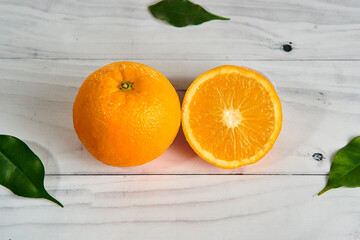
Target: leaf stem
(324,190)
(49,197)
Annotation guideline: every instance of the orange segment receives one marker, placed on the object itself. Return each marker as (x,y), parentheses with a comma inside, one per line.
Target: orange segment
(231,116)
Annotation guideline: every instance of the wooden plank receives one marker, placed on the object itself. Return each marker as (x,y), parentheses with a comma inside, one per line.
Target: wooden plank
(320,103)
(183,207)
(125,30)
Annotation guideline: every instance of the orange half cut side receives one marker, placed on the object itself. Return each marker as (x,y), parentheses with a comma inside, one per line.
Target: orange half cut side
(231,116)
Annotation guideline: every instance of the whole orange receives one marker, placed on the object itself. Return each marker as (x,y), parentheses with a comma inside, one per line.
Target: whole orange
(126,114)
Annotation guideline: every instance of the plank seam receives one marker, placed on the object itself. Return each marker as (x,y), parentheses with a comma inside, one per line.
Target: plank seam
(185,174)
(195,59)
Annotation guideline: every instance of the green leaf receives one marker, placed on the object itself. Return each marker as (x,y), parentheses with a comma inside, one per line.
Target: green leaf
(345,168)
(181,13)
(21,170)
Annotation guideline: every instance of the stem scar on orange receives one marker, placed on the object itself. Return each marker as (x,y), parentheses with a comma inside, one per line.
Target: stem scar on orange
(126,114)
(231,116)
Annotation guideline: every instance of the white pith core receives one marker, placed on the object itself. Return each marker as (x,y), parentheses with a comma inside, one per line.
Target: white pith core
(231,118)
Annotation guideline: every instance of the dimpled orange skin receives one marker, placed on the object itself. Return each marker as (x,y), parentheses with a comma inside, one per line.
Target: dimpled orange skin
(126,127)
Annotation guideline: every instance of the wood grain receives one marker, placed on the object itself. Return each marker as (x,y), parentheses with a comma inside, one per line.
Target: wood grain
(47,48)
(183,207)
(115,29)
(320,103)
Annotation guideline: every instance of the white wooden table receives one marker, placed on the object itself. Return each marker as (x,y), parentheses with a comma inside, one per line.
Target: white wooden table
(48,48)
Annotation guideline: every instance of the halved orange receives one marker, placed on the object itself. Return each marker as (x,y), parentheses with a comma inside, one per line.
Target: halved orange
(231,116)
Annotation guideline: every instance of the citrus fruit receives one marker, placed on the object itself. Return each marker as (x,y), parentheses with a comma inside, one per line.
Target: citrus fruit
(126,114)
(231,116)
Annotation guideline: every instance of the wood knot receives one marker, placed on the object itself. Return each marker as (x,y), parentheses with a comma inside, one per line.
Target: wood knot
(318,157)
(287,47)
